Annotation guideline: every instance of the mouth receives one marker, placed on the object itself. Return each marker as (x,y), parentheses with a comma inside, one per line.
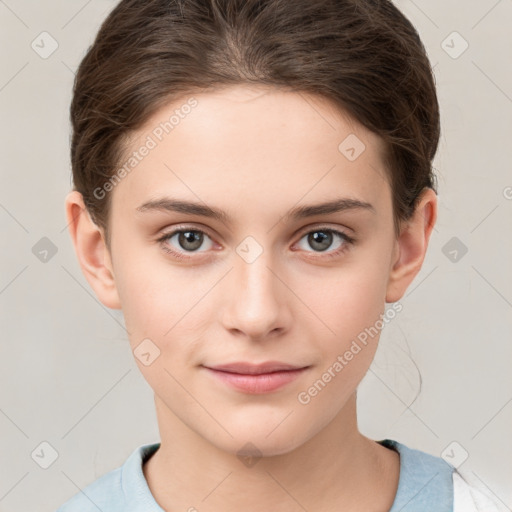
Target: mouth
(256,378)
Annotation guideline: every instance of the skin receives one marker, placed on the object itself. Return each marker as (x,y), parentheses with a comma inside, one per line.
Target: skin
(256,153)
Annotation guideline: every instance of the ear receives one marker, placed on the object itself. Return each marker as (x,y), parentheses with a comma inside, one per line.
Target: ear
(411,245)
(91,250)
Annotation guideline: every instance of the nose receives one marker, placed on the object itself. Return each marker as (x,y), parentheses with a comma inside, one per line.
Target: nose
(255,300)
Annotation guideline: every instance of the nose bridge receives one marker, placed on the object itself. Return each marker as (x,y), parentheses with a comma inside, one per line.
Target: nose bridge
(253,275)
(254,301)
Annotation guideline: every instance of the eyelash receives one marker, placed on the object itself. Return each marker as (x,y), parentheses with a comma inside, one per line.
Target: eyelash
(348,240)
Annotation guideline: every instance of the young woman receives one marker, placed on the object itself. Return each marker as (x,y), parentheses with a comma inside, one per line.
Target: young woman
(252,185)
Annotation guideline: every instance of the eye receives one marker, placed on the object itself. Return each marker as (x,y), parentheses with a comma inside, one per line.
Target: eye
(186,240)
(189,240)
(322,238)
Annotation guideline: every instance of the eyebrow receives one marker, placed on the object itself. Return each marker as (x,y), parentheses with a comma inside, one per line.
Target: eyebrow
(296,213)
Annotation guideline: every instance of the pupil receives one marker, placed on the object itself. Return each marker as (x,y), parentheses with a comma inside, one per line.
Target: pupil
(323,238)
(189,237)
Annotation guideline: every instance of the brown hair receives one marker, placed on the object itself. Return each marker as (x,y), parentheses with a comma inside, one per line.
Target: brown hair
(362,55)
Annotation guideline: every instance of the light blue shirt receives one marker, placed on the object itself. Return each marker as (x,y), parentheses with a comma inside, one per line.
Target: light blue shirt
(425,485)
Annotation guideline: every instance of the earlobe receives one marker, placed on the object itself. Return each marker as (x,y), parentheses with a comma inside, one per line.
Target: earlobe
(412,246)
(91,250)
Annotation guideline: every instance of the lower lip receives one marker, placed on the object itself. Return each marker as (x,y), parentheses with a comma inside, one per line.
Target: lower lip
(263,383)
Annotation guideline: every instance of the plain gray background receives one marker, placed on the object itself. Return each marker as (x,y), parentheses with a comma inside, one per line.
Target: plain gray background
(68,377)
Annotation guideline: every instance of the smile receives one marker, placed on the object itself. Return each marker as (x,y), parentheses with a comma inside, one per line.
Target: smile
(256,379)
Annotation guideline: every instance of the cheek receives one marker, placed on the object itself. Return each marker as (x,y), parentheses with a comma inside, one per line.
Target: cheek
(153,307)
(160,299)
(352,307)
(163,303)
(350,299)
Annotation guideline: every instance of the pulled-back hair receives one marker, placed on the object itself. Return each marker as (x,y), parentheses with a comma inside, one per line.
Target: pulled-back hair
(362,55)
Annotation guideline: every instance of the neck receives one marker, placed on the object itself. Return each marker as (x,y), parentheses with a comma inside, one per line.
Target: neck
(337,466)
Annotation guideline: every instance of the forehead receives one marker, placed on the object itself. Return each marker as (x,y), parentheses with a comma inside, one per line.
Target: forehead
(253,145)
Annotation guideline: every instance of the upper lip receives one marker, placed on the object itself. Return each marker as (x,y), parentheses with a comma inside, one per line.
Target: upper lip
(255,369)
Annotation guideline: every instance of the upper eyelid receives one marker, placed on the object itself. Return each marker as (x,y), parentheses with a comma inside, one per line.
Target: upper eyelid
(301,232)
(180,229)
(326,227)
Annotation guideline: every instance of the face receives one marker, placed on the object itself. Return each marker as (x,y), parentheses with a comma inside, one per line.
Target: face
(266,280)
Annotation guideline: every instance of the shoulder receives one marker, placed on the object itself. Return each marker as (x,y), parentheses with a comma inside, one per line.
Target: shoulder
(119,490)
(428,482)
(425,481)
(469,497)
(104,494)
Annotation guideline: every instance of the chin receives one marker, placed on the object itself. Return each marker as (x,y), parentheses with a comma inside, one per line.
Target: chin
(252,441)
